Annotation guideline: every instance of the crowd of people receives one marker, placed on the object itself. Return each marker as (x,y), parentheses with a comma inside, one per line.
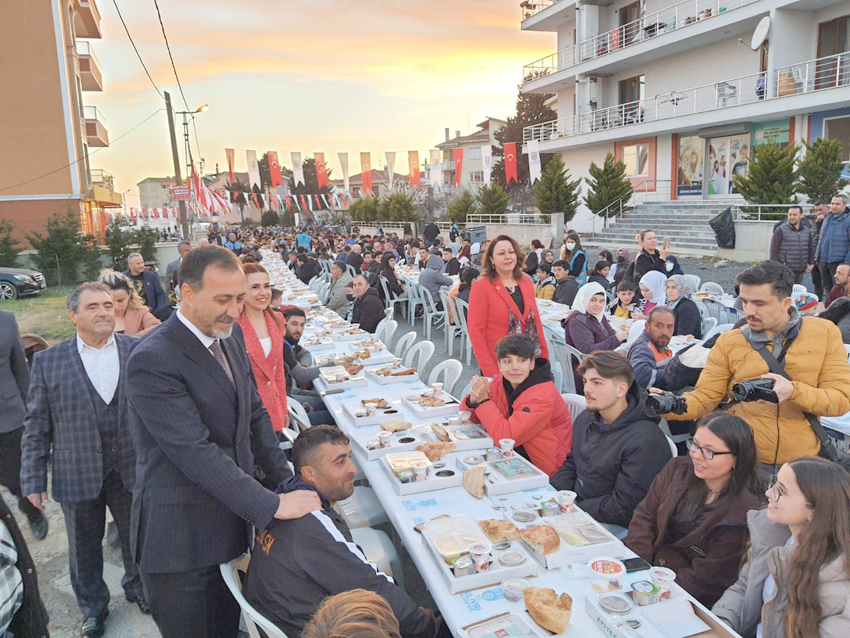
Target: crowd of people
(166,409)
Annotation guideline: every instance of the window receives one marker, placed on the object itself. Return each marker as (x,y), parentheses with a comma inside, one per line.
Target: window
(473,153)
(838,128)
(476,177)
(629,16)
(636,159)
(631,95)
(833,39)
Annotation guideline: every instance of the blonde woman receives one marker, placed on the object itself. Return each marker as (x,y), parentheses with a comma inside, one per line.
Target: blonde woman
(132,316)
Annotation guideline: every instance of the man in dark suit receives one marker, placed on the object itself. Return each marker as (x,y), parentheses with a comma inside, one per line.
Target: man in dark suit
(183,249)
(147,285)
(77,412)
(14,383)
(199,427)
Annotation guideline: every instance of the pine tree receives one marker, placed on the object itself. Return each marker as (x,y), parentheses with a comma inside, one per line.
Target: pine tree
(58,253)
(397,207)
(820,170)
(493,199)
(461,206)
(119,244)
(364,209)
(606,185)
(555,193)
(772,176)
(9,250)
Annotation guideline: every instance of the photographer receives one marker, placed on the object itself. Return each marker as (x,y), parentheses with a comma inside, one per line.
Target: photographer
(814,358)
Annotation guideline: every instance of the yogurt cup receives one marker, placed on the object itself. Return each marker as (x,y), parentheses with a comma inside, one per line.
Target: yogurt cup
(371,409)
(512,588)
(507,446)
(385,438)
(463,566)
(663,579)
(550,508)
(420,471)
(644,593)
(437,388)
(480,553)
(465,417)
(606,574)
(567,499)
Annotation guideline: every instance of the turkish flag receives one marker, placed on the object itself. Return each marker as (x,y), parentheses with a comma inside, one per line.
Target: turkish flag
(510,163)
(274,169)
(458,157)
(321,170)
(366,172)
(303,203)
(413,162)
(318,202)
(230,157)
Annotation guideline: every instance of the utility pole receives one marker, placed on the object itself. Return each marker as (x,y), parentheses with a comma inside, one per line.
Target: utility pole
(184,218)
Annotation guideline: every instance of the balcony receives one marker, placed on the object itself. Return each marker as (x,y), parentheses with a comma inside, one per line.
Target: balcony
(448,165)
(815,75)
(91,77)
(545,74)
(87,19)
(96,134)
(548,15)
(103,189)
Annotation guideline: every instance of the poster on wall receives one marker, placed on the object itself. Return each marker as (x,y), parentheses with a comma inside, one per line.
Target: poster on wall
(689,180)
(715,170)
(739,158)
(777,132)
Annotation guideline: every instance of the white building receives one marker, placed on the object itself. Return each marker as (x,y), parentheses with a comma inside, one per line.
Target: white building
(472,170)
(676,92)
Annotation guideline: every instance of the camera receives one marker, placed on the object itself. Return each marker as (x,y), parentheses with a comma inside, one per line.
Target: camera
(755,390)
(658,404)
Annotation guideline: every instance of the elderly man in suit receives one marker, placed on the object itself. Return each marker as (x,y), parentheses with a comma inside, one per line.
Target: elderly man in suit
(14,383)
(147,285)
(337,299)
(183,249)
(199,428)
(77,413)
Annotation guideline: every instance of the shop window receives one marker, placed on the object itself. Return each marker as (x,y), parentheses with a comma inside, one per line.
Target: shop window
(636,159)
(476,177)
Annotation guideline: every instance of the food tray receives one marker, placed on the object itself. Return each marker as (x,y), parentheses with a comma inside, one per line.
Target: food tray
(525,475)
(467,438)
(380,357)
(568,554)
(392,413)
(352,382)
(507,625)
(399,442)
(461,529)
(344,335)
(390,380)
(453,477)
(420,412)
(325,344)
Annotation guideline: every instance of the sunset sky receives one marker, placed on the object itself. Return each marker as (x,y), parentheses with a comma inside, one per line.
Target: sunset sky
(327,76)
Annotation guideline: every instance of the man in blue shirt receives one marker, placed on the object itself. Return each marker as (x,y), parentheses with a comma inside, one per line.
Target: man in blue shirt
(834,245)
(303,239)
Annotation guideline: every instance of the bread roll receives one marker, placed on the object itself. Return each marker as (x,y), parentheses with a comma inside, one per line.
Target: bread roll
(548,610)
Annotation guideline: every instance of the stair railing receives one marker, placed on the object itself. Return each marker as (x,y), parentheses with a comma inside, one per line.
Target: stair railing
(638,192)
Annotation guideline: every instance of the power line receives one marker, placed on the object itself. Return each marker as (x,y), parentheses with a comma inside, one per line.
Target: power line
(139,55)
(80,159)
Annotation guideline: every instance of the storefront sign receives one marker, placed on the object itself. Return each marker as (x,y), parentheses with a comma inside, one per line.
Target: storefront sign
(776,132)
(690,173)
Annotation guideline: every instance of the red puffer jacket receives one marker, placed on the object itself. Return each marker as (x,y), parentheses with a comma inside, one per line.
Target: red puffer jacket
(534,415)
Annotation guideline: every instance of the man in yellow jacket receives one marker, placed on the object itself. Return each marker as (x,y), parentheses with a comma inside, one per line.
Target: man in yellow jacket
(814,357)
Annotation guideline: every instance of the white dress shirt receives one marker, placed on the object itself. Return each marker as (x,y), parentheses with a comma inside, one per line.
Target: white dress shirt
(206,340)
(102,366)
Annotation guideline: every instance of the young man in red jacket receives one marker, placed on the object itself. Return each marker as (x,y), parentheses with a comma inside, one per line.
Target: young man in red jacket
(523,404)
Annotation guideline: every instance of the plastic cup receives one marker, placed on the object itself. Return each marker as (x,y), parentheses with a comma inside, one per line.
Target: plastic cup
(465,417)
(437,388)
(384,438)
(567,499)
(606,574)
(371,409)
(480,553)
(420,471)
(507,446)
(663,579)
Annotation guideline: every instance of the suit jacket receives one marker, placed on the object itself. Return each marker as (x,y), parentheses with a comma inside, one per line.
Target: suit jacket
(268,371)
(337,301)
(155,297)
(61,422)
(14,374)
(197,438)
(173,267)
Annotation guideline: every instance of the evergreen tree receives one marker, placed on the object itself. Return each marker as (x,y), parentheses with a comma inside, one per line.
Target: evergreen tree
(311,182)
(820,170)
(492,199)
(91,257)
(146,240)
(364,209)
(461,206)
(9,250)
(555,193)
(118,243)
(772,176)
(606,185)
(238,190)
(397,207)
(58,253)
(269,218)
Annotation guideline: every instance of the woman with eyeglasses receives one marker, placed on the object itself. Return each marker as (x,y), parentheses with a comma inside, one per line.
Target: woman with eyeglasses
(796,581)
(694,517)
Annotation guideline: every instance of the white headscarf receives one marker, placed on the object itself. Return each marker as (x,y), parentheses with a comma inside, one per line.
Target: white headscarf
(657,283)
(584,295)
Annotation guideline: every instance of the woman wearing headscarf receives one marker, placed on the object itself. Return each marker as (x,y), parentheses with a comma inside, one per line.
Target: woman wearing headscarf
(548,257)
(672,266)
(688,319)
(653,289)
(618,269)
(587,329)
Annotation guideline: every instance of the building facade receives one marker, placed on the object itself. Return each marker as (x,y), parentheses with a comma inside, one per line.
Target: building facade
(677,91)
(472,170)
(46,130)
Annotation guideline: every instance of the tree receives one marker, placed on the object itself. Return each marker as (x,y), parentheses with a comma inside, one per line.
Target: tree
(118,244)
(492,199)
(531,109)
(461,206)
(772,176)
(58,253)
(238,190)
(397,207)
(311,182)
(91,257)
(146,240)
(555,193)
(287,218)
(265,171)
(269,218)
(9,250)
(820,170)
(606,185)
(364,209)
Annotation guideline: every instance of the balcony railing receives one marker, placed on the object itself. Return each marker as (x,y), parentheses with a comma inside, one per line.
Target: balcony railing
(709,97)
(815,75)
(533,7)
(448,165)
(96,132)
(651,25)
(90,74)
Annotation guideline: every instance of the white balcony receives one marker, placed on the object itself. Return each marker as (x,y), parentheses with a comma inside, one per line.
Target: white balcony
(815,75)
(87,19)
(96,134)
(548,15)
(597,52)
(91,77)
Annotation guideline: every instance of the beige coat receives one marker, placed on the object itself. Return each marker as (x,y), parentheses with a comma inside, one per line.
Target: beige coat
(741,606)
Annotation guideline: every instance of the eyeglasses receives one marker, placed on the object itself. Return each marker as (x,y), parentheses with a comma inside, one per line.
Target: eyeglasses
(707,454)
(774,492)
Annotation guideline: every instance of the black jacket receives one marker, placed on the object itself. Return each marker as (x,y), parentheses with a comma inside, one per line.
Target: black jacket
(155,297)
(298,563)
(355,261)
(393,284)
(646,262)
(688,319)
(368,310)
(566,291)
(612,465)
(452,267)
(308,270)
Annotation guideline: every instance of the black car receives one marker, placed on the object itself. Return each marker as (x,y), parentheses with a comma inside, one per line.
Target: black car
(20,282)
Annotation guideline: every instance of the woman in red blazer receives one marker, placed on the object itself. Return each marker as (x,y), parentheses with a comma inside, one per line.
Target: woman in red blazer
(502,302)
(263,335)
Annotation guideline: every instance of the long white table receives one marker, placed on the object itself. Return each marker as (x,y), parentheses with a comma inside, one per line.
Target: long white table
(405,512)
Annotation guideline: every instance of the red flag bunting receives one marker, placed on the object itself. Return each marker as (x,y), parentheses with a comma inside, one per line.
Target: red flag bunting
(303,203)
(366,172)
(510,163)
(458,157)
(413,163)
(230,158)
(321,170)
(274,169)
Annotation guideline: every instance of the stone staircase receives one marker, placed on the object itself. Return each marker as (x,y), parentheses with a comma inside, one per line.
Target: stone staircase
(684,223)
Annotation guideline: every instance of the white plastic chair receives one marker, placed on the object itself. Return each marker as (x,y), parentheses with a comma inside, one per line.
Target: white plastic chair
(414,298)
(468,388)
(565,354)
(451,330)
(386,330)
(390,299)
(418,356)
(673,447)
(404,344)
(466,342)
(230,575)
(378,549)
(694,281)
(716,330)
(710,286)
(798,289)
(450,370)
(298,414)
(576,404)
(707,324)
(362,509)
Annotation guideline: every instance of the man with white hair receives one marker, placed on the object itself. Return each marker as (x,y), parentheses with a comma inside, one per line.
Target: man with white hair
(146,283)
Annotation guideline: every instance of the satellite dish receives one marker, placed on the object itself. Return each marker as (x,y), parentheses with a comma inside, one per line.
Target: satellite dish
(760,34)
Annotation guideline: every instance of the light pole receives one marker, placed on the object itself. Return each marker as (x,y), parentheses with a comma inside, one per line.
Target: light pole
(184,218)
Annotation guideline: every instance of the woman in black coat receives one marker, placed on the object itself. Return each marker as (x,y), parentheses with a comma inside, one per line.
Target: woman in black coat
(388,271)
(649,258)
(688,318)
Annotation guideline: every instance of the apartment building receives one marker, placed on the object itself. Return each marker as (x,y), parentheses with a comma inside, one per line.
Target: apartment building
(472,170)
(45,127)
(155,192)
(676,91)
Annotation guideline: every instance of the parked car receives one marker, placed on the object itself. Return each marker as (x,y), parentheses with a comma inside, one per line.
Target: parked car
(20,282)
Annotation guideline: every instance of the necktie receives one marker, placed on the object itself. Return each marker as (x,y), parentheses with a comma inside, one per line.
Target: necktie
(218,353)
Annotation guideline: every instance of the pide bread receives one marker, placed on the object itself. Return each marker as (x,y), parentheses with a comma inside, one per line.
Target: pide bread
(498,530)
(431,402)
(396,426)
(440,432)
(542,539)
(436,451)
(379,403)
(548,610)
(473,480)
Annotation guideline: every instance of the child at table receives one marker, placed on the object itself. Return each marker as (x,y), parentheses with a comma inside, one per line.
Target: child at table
(624,304)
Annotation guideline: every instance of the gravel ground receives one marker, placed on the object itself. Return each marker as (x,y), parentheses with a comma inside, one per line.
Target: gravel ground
(724,274)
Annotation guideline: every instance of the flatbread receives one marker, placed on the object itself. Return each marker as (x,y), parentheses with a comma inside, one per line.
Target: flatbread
(473,479)
(548,610)
(396,426)
(499,531)
(542,539)
(405,372)
(436,451)
(440,432)
(352,368)
(431,402)
(381,404)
